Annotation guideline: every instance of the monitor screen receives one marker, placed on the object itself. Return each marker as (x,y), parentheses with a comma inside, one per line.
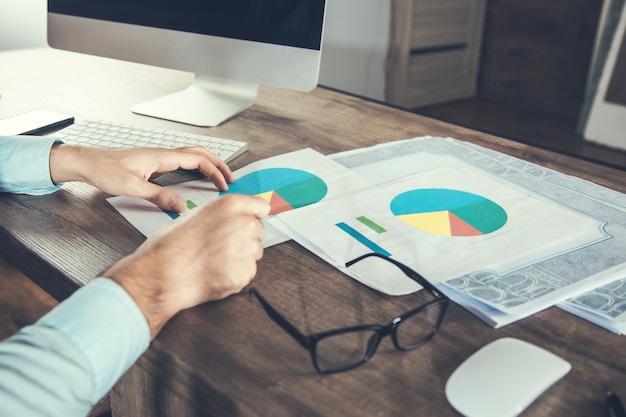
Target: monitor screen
(228,44)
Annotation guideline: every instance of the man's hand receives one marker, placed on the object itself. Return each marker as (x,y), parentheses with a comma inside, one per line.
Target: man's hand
(127,171)
(206,254)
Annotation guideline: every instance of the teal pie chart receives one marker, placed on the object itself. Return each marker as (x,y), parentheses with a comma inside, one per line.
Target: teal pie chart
(448,212)
(284,188)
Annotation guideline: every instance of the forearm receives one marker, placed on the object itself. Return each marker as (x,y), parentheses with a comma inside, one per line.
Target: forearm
(68,163)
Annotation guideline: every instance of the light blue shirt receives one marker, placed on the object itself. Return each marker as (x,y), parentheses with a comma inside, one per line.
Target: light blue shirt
(69,359)
(25,165)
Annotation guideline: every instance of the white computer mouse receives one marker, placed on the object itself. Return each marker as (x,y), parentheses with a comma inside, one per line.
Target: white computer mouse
(503,378)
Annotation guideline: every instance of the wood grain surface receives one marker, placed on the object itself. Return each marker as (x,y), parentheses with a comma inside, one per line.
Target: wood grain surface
(227,358)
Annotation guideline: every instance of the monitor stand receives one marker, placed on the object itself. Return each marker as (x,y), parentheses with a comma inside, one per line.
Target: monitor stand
(207,102)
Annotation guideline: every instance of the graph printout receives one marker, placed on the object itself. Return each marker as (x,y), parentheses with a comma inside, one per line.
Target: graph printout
(444,223)
(448,212)
(589,282)
(283,188)
(287,182)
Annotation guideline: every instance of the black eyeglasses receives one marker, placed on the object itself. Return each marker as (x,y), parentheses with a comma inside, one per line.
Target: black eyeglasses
(346,348)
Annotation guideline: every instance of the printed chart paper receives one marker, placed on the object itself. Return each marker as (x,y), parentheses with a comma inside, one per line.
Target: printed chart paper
(444,223)
(287,182)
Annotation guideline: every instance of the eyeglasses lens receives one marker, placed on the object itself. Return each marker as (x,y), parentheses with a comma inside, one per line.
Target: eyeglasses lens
(345,349)
(416,329)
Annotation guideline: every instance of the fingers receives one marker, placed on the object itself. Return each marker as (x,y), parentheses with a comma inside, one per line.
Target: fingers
(169,200)
(219,173)
(162,197)
(207,163)
(127,172)
(252,205)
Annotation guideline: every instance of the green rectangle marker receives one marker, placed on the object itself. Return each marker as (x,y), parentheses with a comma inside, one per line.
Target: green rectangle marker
(367,222)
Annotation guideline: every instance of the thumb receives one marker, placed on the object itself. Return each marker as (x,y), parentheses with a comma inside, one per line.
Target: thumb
(163,197)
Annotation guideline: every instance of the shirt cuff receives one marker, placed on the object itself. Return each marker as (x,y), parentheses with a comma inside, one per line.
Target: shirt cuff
(105,324)
(25,165)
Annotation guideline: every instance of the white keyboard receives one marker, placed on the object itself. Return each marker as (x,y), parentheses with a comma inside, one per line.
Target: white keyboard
(119,135)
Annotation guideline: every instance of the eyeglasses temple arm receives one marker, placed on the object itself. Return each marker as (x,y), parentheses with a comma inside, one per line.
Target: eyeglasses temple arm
(407,271)
(280,320)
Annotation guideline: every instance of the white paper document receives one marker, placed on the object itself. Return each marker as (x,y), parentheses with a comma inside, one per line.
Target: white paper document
(444,223)
(287,181)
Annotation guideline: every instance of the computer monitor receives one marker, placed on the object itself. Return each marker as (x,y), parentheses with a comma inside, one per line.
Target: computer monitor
(230,45)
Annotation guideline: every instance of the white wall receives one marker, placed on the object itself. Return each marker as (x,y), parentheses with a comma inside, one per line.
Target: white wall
(355,46)
(353,54)
(22,23)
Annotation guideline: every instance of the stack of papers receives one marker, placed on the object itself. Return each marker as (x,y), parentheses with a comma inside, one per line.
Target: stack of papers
(503,237)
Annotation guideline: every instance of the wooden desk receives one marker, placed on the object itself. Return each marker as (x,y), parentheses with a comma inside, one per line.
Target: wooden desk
(227,358)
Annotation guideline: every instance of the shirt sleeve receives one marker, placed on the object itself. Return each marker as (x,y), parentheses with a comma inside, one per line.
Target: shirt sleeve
(25,165)
(63,364)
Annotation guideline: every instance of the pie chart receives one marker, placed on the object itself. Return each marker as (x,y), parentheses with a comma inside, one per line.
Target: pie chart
(284,188)
(448,212)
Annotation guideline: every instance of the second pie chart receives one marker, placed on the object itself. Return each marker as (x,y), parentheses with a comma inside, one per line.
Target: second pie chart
(448,212)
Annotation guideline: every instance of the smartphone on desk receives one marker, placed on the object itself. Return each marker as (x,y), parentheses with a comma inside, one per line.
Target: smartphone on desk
(34,122)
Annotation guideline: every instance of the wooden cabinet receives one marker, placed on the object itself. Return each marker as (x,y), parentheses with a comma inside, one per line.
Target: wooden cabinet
(434,51)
